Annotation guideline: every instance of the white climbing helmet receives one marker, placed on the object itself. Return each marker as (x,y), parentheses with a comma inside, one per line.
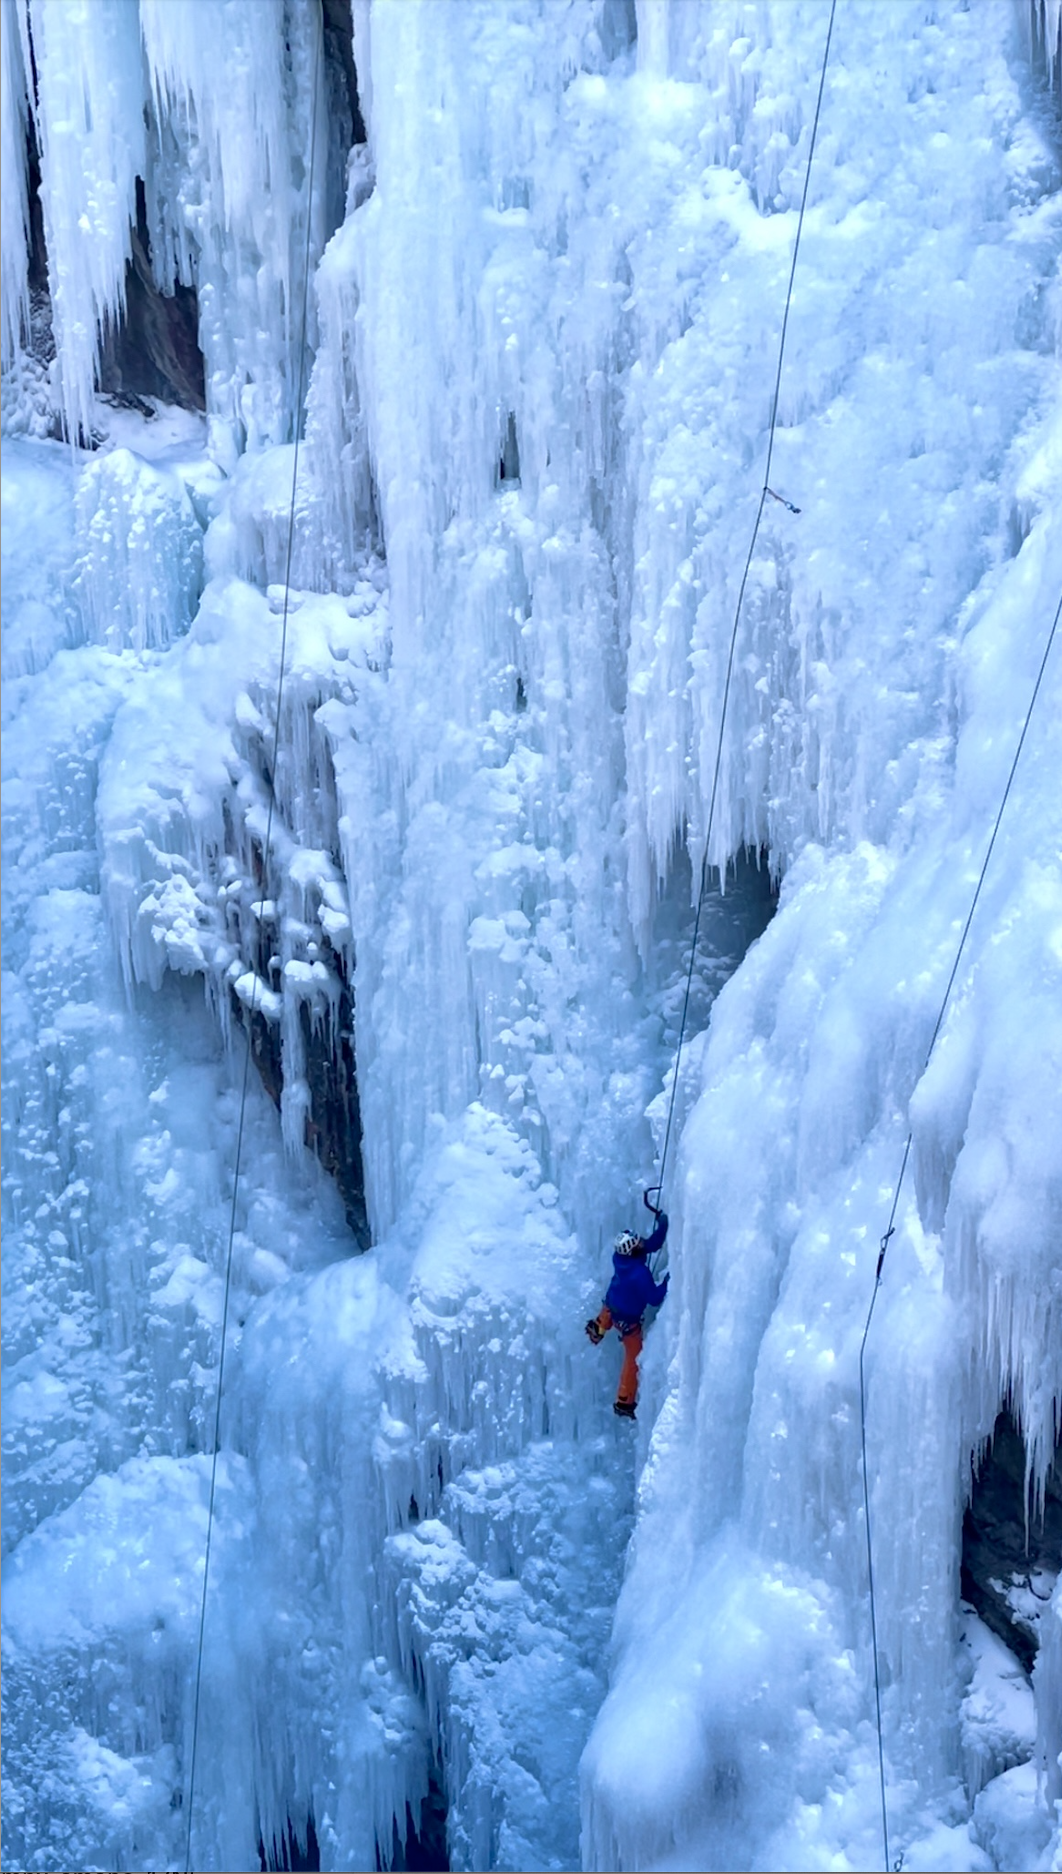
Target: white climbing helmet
(627,1244)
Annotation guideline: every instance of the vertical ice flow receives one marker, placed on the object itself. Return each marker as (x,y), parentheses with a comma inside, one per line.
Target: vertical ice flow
(14,200)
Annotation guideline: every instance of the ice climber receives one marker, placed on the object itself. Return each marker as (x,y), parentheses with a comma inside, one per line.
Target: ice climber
(631,1291)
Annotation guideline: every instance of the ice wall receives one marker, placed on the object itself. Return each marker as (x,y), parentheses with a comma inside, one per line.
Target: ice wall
(424,1498)
(543,343)
(119,1128)
(814,1067)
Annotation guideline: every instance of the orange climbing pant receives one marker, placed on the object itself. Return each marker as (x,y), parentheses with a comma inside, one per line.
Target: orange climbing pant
(627,1390)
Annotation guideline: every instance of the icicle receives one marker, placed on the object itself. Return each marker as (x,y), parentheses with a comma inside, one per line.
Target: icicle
(1046,29)
(90,131)
(140,553)
(238,100)
(654,19)
(336,426)
(14,208)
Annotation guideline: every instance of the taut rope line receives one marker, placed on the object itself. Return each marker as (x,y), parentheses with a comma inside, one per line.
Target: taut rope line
(766,491)
(254,991)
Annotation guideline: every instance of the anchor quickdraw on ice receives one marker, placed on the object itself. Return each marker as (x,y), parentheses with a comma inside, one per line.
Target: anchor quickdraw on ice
(782,501)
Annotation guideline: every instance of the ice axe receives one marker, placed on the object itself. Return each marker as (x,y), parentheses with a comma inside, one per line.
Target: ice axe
(647,1199)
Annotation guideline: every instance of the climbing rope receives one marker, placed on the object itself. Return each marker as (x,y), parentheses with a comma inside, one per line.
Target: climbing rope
(766,491)
(271,781)
(891,1227)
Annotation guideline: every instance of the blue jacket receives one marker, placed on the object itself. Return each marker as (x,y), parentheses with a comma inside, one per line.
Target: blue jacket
(632,1289)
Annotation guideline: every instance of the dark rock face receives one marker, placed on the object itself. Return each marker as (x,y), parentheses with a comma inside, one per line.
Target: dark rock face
(333,1126)
(424,1850)
(509,458)
(1010,1553)
(154,352)
(339,47)
(617,27)
(298,1850)
(333,1123)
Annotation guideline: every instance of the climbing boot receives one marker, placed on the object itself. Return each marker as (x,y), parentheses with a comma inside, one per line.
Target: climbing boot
(623,1409)
(593,1332)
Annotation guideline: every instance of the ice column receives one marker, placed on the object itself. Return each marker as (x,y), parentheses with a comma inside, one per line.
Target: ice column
(90,131)
(14,207)
(234,108)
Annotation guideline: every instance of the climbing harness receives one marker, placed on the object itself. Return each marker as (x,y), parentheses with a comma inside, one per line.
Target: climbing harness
(891,1226)
(767,490)
(271,780)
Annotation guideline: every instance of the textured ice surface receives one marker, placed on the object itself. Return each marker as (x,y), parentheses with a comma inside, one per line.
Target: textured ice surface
(543,342)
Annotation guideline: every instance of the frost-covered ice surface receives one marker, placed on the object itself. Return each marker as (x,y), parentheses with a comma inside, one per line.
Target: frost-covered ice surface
(547,293)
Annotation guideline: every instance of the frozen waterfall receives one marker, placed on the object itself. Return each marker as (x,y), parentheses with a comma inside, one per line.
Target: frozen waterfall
(458,1614)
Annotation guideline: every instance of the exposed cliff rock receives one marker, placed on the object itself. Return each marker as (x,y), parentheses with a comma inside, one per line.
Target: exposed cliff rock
(1011,1544)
